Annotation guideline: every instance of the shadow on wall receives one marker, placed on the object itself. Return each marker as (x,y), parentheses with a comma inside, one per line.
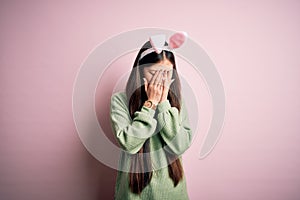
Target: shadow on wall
(100,177)
(104,177)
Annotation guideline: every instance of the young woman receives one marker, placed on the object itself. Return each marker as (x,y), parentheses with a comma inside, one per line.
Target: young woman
(150,122)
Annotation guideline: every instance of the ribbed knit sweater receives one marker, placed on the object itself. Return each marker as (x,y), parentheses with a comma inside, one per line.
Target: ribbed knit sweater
(165,125)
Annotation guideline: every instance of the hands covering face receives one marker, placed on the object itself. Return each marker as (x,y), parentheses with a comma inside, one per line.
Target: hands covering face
(158,87)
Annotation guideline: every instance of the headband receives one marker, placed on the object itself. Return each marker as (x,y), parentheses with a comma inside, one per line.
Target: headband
(158,43)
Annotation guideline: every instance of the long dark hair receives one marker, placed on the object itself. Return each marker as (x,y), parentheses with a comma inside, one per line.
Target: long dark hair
(136,96)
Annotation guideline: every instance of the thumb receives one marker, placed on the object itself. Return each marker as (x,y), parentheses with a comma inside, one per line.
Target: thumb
(172,81)
(146,84)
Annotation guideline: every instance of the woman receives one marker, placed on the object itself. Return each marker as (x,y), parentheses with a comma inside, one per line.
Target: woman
(150,123)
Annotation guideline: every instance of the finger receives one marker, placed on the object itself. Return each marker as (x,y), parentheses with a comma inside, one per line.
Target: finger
(164,79)
(168,83)
(169,74)
(172,81)
(158,78)
(160,81)
(146,84)
(161,78)
(165,75)
(154,77)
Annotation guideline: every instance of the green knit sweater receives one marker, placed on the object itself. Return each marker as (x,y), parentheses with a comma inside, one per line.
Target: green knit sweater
(163,126)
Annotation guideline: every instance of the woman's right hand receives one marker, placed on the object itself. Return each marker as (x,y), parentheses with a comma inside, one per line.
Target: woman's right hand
(155,87)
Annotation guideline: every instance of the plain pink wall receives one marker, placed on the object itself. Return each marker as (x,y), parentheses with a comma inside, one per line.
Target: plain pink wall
(255,46)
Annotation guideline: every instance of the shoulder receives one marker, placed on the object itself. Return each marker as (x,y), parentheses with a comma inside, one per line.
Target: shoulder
(182,103)
(119,95)
(183,108)
(119,98)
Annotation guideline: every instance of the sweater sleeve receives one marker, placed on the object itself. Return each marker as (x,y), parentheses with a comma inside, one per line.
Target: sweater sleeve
(174,127)
(131,133)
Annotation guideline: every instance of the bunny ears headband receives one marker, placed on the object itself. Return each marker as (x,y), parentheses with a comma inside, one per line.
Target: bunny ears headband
(158,43)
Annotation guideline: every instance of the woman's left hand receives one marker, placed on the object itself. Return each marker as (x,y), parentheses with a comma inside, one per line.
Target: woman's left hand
(166,80)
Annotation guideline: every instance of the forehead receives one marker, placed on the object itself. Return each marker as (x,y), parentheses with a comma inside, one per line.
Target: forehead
(164,65)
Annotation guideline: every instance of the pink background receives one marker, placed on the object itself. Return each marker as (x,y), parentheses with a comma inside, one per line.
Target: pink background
(255,46)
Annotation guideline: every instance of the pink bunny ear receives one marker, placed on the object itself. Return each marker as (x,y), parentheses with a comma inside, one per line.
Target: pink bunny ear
(177,39)
(157,42)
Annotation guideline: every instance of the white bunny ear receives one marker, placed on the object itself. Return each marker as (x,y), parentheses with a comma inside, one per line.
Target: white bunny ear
(177,39)
(157,42)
